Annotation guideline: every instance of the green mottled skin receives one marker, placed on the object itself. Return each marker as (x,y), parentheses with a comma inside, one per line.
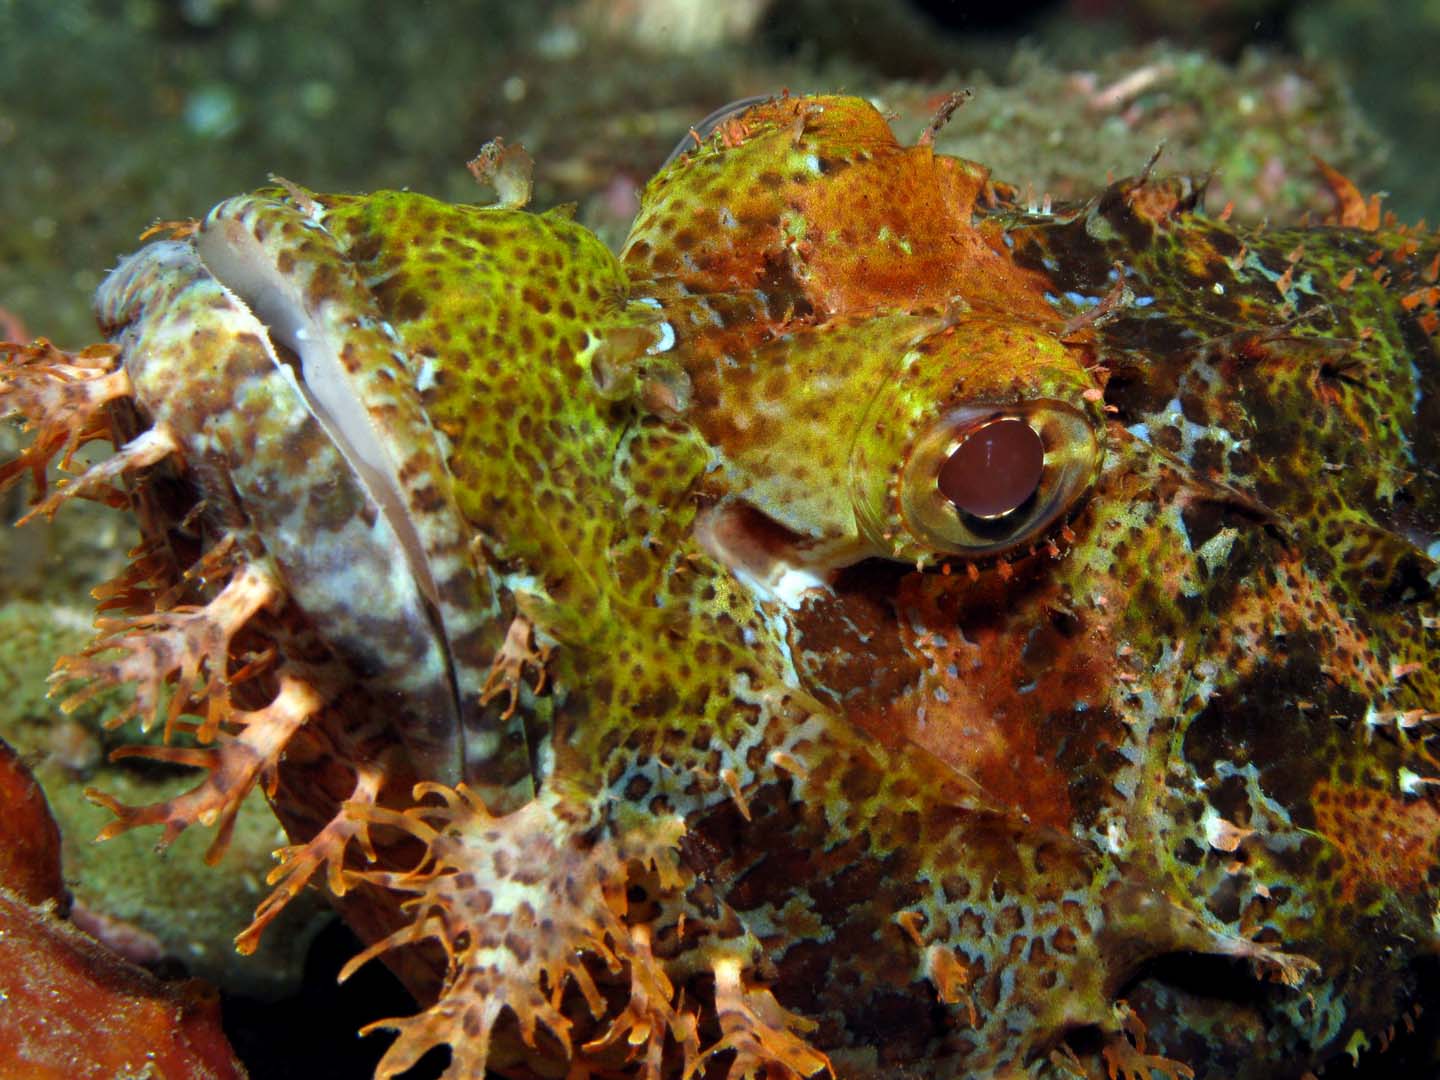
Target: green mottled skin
(1159,735)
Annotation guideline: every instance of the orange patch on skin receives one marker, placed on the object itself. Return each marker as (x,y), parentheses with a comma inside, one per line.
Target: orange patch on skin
(1382,839)
(1405,250)
(1154,202)
(970,710)
(922,205)
(835,215)
(1428,296)
(1282,286)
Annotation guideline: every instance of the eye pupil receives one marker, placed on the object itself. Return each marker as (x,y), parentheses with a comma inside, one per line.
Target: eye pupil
(994,469)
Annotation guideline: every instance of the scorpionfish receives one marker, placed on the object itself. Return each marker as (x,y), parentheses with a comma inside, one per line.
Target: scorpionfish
(871,627)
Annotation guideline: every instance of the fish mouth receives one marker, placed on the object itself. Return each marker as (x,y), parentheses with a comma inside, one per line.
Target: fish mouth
(227,351)
(774,562)
(305,346)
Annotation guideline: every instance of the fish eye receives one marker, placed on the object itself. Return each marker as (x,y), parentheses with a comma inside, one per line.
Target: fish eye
(981,480)
(705,127)
(994,469)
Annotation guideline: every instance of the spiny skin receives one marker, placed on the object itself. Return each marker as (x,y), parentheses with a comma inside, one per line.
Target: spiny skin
(933,811)
(1307,381)
(1243,628)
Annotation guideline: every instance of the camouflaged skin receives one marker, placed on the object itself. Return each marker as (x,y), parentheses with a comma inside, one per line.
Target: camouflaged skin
(1143,787)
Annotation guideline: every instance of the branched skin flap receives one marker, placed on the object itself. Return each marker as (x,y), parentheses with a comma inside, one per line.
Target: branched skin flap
(866,628)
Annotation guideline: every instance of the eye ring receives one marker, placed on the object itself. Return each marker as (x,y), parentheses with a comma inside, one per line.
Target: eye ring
(983,479)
